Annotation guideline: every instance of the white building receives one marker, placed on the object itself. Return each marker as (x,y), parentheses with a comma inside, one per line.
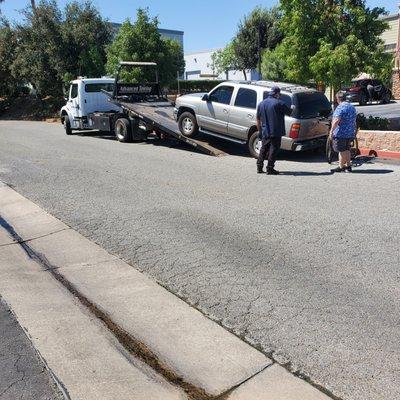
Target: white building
(199,66)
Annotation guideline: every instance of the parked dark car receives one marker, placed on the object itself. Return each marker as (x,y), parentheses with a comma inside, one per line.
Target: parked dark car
(359,93)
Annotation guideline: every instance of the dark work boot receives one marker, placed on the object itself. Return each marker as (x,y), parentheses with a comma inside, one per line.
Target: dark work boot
(272,171)
(337,170)
(260,169)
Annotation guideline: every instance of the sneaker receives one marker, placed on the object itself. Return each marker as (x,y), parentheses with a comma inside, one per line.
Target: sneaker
(260,170)
(338,169)
(349,169)
(272,171)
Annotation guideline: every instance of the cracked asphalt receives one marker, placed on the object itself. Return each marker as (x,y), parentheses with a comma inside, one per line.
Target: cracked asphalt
(23,375)
(305,266)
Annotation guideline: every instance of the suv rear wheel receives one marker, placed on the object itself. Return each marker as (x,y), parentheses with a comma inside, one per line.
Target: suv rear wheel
(363,99)
(254,145)
(188,125)
(387,97)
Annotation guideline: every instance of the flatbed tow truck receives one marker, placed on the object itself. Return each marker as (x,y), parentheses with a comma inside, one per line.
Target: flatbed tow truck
(136,111)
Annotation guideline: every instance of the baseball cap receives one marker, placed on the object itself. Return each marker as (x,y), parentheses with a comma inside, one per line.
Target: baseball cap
(275,90)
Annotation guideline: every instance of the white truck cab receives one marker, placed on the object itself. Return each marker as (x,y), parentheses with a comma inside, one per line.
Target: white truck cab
(85,97)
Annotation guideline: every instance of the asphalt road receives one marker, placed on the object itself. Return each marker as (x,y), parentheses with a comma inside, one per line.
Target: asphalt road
(22,374)
(305,266)
(391,110)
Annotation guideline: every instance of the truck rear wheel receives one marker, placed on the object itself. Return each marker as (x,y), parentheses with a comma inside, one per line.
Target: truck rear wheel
(188,125)
(123,130)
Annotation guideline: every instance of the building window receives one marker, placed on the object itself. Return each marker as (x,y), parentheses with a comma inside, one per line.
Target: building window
(390,47)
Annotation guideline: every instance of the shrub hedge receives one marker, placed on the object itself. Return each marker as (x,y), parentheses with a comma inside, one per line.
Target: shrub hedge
(195,86)
(372,123)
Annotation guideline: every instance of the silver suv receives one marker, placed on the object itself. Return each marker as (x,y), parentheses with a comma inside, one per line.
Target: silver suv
(229,112)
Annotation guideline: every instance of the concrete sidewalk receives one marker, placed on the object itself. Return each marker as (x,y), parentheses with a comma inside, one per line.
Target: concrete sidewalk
(108,331)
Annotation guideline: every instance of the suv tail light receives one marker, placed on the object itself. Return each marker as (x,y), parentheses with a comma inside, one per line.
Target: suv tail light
(294,131)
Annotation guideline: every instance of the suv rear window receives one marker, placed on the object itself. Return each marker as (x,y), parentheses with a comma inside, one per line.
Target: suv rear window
(246,98)
(98,87)
(311,105)
(284,97)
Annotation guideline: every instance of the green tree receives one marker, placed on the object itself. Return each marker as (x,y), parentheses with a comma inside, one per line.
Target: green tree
(8,43)
(331,41)
(85,36)
(141,41)
(273,64)
(258,31)
(38,56)
(225,60)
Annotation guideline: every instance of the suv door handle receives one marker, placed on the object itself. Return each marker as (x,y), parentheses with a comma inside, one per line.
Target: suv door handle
(225,111)
(250,116)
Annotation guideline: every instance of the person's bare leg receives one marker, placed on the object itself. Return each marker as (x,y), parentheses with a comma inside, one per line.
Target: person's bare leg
(348,158)
(342,159)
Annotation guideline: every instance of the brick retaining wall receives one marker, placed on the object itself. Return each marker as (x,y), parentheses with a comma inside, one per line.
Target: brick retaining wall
(396,85)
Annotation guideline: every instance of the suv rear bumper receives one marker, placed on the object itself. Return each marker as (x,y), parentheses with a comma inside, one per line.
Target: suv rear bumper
(309,144)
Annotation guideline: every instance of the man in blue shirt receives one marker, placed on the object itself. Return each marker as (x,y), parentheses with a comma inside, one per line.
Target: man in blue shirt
(271,125)
(343,131)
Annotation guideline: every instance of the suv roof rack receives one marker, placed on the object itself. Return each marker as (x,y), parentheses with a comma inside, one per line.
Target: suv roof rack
(285,86)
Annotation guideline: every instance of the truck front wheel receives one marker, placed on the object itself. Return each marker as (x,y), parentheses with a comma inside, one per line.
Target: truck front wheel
(67,125)
(188,125)
(123,130)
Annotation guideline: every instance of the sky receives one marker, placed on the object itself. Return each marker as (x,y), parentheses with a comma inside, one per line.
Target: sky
(208,24)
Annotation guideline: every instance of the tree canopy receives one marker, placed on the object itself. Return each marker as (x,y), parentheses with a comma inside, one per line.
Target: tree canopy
(258,30)
(52,46)
(141,41)
(331,41)
(8,42)
(225,60)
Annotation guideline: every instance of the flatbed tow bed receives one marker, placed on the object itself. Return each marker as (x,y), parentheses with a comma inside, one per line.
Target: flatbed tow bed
(159,116)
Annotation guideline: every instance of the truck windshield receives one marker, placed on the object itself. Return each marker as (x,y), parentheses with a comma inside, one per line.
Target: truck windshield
(98,87)
(311,105)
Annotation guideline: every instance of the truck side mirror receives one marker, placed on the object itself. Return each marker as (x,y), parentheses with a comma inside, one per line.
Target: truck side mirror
(206,97)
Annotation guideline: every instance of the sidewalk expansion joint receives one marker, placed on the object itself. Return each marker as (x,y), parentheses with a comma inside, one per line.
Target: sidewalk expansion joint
(18,239)
(225,395)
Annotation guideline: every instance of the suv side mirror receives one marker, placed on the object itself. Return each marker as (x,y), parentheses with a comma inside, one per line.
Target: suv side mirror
(206,97)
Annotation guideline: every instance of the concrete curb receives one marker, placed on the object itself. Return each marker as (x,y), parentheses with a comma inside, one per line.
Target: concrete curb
(188,349)
(391,155)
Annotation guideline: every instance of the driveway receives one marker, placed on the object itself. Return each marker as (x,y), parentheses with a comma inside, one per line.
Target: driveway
(304,266)
(389,111)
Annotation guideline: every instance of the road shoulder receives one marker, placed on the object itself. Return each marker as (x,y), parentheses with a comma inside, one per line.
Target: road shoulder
(155,327)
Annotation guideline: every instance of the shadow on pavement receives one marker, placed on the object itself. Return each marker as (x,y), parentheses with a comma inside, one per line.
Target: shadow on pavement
(96,135)
(373,171)
(305,173)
